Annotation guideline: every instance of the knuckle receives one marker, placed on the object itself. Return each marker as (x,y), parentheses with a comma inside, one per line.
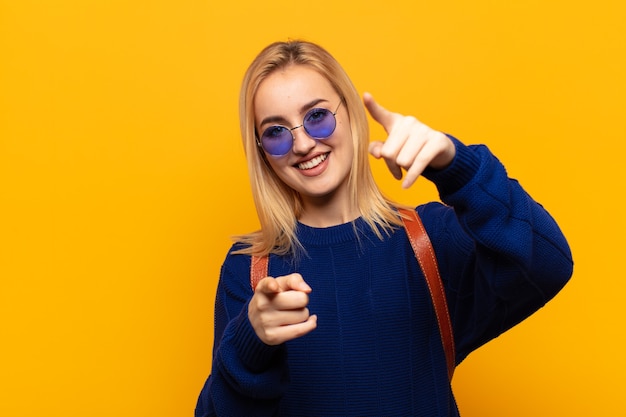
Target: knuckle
(271,337)
(410,120)
(264,321)
(302,298)
(262,304)
(404,160)
(436,136)
(386,152)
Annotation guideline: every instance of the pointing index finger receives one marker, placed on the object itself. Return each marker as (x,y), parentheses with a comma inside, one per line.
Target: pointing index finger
(268,286)
(293,282)
(378,112)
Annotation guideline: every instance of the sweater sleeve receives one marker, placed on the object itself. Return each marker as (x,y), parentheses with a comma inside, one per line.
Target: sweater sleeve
(248,377)
(502,256)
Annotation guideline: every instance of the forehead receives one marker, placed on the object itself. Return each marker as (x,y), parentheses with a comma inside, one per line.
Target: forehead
(287,89)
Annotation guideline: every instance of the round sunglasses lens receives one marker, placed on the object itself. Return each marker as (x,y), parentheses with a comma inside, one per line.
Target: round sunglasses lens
(277,140)
(319,123)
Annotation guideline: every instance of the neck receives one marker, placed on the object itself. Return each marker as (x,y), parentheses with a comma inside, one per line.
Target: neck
(327,212)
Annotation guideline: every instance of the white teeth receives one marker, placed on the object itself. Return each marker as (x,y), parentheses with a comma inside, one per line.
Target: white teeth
(313,162)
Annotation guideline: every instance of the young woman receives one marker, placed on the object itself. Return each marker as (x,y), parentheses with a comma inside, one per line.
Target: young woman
(344,325)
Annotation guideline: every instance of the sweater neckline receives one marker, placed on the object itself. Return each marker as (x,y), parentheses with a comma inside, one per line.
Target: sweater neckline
(341,233)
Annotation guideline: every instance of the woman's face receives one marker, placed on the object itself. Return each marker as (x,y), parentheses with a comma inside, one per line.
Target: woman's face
(316,169)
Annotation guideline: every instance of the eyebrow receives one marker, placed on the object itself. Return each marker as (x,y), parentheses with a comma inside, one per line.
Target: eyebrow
(307,106)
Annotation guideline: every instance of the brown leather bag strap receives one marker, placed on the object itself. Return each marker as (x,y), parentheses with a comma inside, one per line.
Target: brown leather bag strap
(425,255)
(258,270)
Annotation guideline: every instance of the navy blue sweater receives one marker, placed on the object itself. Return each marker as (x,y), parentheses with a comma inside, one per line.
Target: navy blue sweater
(376,350)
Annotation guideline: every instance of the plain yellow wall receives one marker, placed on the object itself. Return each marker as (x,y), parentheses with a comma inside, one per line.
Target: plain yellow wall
(122,178)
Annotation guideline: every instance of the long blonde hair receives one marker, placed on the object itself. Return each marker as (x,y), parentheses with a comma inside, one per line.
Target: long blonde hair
(278,206)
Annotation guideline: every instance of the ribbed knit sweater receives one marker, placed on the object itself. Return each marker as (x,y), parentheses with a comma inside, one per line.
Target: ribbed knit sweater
(376,350)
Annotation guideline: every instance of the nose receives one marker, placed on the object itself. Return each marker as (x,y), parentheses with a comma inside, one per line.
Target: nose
(302,143)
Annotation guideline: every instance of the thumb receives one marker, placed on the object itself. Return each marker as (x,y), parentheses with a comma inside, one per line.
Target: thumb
(378,112)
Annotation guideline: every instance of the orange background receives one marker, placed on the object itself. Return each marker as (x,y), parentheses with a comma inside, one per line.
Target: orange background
(122,178)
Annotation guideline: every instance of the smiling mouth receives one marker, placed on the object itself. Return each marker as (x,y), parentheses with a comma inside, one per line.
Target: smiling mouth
(312,163)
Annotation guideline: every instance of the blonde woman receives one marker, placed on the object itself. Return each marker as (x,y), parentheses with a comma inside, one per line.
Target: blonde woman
(343,324)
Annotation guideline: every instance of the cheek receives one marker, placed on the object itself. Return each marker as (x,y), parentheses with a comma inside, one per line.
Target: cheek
(278,167)
(273,165)
(277,163)
(344,140)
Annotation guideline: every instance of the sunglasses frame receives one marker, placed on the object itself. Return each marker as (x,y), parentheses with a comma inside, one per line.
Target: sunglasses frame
(290,130)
